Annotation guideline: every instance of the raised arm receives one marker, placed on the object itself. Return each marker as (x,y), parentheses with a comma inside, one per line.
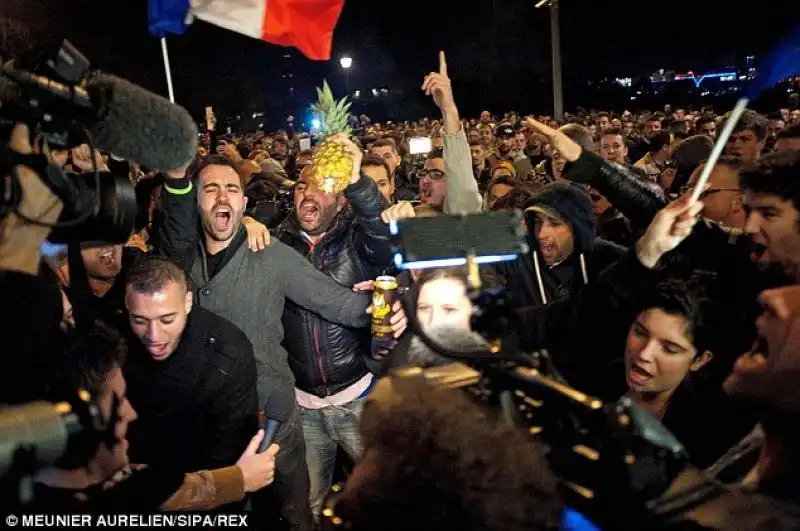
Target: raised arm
(371,234)
(179,233)
(462,188)
(314,291)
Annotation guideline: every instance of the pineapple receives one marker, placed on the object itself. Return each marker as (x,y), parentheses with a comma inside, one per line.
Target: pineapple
(332,165)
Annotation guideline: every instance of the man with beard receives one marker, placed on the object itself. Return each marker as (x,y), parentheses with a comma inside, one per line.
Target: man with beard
(343,236)
(507,151)
(250,289)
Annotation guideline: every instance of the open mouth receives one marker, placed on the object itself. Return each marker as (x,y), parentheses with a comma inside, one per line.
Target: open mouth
(759,252)
(309,212)
(548,249)
(108,258)
(222,218)
(639,376)
(158,350)
(755,360)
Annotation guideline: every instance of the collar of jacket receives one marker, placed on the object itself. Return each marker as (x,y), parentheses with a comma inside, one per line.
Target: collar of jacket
(341,222)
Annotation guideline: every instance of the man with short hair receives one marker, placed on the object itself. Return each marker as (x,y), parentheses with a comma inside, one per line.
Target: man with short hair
(706,125)
(191,374)
(103,482)
(789,138)
(722,200)
(480,164)
(377,169)
(249,289)
(748,138)
(659,155)
(613,146)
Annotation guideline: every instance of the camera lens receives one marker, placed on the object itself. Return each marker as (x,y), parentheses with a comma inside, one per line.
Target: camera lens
(110,201)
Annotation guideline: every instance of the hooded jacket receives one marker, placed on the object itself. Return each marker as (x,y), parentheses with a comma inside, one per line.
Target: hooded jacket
(530,281)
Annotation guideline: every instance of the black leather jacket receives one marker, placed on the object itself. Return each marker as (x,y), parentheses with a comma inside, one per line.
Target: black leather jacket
(326,357)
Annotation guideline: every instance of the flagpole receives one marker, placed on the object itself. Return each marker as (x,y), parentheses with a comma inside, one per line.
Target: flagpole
(167,70)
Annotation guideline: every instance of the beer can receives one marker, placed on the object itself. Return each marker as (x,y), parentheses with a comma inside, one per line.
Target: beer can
(382,301)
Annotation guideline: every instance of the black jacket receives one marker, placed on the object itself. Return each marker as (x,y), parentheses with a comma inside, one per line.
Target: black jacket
(326,357)
(573,204)
(711,247)
(198,408)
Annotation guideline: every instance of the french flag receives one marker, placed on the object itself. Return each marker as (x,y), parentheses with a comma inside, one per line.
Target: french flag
(304,24)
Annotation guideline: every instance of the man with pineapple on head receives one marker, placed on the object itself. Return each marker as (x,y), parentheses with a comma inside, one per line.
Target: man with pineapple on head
(341,233)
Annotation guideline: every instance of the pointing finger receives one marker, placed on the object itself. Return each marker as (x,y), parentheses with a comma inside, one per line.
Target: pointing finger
(442,64)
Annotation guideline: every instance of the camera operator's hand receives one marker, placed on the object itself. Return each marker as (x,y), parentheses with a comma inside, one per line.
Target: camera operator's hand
(21,240)
(669,228)
(396,212)
(258,469)
(82,159)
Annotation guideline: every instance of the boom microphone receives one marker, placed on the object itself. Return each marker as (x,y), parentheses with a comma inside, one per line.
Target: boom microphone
(122,118)
(137,125)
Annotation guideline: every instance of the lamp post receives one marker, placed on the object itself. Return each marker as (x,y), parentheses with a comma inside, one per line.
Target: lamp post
(555,49)
(347,63)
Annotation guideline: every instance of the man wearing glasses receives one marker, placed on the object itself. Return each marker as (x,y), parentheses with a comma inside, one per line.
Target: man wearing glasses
(723,199)
(433,180)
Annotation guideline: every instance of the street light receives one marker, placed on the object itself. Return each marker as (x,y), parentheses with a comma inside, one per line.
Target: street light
(555,48)
(347,62)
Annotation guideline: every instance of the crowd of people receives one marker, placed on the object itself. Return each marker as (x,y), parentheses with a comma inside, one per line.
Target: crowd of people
(245,290)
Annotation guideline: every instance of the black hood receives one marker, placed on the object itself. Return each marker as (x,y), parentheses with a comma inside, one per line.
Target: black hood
(573,203)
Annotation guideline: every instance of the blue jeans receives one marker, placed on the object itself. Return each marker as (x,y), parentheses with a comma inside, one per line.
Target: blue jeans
(323,430)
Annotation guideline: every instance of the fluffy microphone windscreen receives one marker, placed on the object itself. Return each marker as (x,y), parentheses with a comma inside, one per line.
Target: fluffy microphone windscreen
(456,339)
(137,125)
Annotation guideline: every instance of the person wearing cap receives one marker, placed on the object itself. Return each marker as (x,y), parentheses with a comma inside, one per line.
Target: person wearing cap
(507,150)
(566,253)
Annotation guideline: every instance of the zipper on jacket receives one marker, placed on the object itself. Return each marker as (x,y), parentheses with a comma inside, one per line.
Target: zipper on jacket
(319,360)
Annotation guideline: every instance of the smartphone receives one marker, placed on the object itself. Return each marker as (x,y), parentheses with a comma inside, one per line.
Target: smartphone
(305,144)
(419,145)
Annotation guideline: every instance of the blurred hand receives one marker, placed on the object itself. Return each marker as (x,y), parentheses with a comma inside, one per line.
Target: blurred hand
(257,469)
(38,202)
(82,159)
(568,148)
(258,236)
(367,285)
(437,84)
(669,228)
(398,211)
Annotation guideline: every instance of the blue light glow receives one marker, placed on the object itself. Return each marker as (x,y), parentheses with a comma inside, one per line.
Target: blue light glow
(450,262)
(315,124)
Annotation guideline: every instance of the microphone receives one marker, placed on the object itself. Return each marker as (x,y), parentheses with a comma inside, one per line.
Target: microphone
(278,409)
(456,339)
(122,118)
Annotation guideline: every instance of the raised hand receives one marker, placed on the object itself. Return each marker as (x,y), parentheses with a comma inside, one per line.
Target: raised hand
(437,84)
(568,148)
(672,225)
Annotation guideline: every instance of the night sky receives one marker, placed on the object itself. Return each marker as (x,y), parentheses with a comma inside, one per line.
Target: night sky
(498,50)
